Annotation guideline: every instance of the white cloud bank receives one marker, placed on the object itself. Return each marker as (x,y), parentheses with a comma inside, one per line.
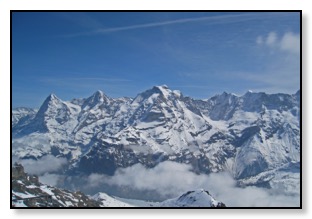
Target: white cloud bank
(173,179)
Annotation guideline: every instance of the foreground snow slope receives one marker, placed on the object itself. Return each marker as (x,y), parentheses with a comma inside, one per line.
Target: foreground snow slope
(197,198)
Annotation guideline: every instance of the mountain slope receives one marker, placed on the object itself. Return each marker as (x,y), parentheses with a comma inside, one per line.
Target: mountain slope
(244,135)
(197,198)
(22,114)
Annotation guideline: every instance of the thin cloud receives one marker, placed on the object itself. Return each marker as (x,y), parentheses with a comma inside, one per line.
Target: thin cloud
(259,40)
(271,39)
(289,42)
(282,70)
(212,20)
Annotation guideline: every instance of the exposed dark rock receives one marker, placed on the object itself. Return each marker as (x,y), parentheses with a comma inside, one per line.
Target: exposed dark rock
(27,191)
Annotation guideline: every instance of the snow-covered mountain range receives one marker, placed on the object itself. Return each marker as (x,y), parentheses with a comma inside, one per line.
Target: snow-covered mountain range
(22,113)
(251,136)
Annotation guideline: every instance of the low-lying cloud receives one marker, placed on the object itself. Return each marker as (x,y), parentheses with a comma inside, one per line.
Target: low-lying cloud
(166,180)
(51,179)
(46,164)
(170,179)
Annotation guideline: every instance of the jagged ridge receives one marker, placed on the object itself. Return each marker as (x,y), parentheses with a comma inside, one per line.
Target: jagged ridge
(245,135)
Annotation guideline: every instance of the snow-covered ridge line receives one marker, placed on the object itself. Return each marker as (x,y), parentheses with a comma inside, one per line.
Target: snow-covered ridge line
(196,198)
(244,135)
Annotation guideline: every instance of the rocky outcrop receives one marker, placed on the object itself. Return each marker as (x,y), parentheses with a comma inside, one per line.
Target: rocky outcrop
(27,191)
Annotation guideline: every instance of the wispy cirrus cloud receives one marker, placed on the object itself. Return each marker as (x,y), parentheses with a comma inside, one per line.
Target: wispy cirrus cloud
(238,17)
(75,80)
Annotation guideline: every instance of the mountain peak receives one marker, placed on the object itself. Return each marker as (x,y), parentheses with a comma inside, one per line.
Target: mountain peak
(197,198)
(97,98)
(52,96)
(99,92)
(162,89)
(297,93)
(51,99)
(98,95)
(162,86)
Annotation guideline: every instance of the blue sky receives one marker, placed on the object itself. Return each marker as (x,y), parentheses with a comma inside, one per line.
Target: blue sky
(73,54)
